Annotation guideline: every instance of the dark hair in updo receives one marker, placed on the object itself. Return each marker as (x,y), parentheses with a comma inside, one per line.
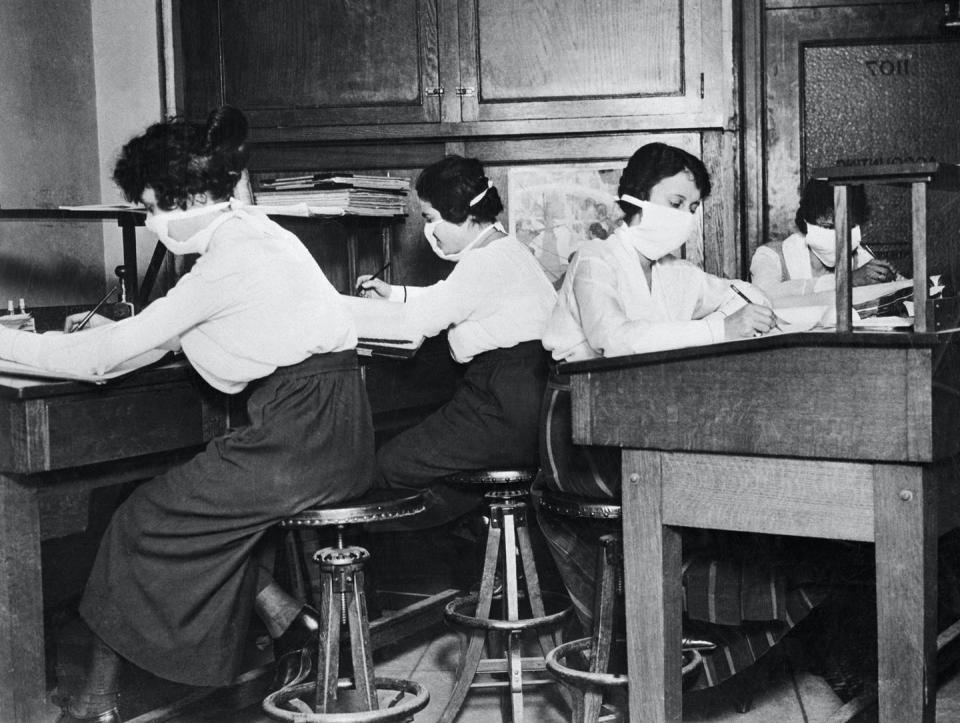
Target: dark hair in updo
(816,205)
(449,185)
(653,162)
(179,159)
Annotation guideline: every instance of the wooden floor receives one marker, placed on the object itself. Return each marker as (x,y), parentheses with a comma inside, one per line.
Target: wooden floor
(790,693)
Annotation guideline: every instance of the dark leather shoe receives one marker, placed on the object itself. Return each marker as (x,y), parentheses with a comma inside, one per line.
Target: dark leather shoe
(107,716)
(297,649)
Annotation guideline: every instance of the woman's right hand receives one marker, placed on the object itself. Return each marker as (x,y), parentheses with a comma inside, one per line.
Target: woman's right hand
(875,271)
(749,321)
(74,320)
(372,288)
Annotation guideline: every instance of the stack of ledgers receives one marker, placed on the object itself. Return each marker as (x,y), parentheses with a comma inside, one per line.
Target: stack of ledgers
(321,194)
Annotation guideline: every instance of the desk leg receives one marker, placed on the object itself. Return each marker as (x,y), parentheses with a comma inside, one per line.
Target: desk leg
(905,520)
(651,561)
(22,675)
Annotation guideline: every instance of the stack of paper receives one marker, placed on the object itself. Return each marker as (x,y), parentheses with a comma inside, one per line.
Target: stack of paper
(322,194)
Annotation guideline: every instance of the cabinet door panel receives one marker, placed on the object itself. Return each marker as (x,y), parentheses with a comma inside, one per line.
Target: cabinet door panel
(569,58)
(331,61)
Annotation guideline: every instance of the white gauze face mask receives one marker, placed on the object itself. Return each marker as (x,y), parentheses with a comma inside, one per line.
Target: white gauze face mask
(823,242)
(430,231)
(662,229)
(159,223)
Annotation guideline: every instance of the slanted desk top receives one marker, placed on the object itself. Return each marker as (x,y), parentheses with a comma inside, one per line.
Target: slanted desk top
(839,436)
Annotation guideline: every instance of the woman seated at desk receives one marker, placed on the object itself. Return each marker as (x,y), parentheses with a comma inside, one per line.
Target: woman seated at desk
(494,306)
(183,563)
(804,262)
(628,295)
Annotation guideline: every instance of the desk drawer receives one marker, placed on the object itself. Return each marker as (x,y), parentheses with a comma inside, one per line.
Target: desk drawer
(68,431)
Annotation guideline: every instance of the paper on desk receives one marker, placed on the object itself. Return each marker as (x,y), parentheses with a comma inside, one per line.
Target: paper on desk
(137,362)
(860,294)
(800,318)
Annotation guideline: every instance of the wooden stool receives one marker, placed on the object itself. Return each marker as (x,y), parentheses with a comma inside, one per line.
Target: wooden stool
(508,538)
(588,707)
(343,603)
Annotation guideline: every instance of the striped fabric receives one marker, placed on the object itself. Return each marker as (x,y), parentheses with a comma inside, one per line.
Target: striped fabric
(744,592)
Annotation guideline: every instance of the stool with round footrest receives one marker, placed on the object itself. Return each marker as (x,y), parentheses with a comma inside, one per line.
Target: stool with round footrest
(595,650)
(343,604)
(507,542)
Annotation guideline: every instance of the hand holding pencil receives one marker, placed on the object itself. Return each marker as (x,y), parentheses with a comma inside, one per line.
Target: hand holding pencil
(370,285)
(78,322)
(754,319)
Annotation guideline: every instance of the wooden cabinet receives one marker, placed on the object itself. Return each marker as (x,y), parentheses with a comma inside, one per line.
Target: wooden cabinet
(313,62)
(569,58)
(450,67)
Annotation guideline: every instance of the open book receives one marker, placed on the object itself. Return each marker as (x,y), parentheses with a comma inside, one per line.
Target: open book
(138,362)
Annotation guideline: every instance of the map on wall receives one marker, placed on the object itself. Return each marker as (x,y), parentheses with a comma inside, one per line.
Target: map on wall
(554,209)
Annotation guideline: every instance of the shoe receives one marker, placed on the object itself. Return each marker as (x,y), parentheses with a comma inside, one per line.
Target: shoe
(297,649)
(108,716)
(700,644)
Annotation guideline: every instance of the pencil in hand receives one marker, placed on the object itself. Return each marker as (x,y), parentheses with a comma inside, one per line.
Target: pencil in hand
(85,320)
(746,298)
(360,286)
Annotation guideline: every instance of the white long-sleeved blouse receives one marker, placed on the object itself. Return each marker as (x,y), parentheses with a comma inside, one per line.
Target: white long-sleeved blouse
(496,297)
(783,268)
(606,309)
(254,301)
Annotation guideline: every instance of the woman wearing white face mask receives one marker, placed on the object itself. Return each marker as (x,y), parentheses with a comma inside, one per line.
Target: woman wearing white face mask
(625,295)
(186,559)
(804,262)
(493,306)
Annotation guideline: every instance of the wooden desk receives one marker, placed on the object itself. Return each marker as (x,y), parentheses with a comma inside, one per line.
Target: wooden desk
(60,440)
(842,436)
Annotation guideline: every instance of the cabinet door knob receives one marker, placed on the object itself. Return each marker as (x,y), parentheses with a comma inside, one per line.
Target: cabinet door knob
(434,91)
(466,91)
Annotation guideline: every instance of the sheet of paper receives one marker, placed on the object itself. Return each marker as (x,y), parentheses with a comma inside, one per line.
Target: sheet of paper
(860,294)
(137,362)
(800,318)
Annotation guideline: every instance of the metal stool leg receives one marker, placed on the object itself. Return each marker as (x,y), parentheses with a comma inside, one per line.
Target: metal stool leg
(472,653)
(329,668)
(360,647)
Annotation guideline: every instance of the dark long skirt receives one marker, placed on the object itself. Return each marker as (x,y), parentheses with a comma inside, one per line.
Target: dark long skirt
(490,422)
(743,591)
(173,584)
